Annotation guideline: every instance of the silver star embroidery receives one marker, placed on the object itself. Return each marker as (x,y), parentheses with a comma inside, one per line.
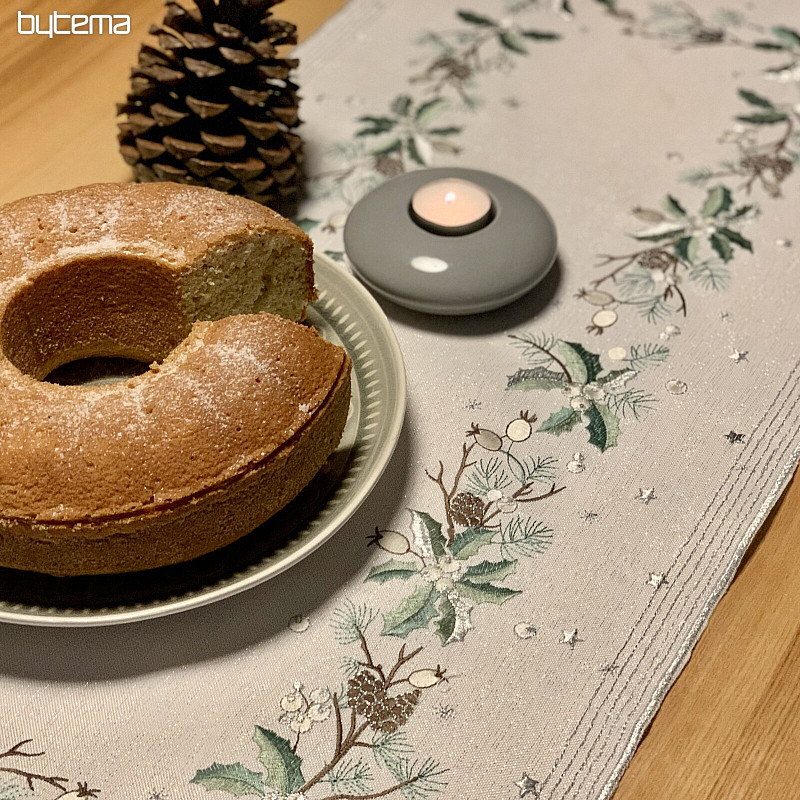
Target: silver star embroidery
(735,438)
(527,785)
(725,316)
(656,580)
(646,496)
(738,356)
(609,669)
(589,516)
(571,638)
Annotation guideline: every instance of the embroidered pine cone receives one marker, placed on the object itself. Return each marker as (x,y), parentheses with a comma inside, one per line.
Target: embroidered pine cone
(212,104)
(467,509)
(655,259)
(367,696)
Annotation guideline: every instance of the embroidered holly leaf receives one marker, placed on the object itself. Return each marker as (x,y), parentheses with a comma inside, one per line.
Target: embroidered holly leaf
(561,421)
(722,247)
(376,125)
(467,543)
(717,200)
(582,365)
(755,99)
(764,117)
(762,45)
(284,773)
(476,19)
(660,232)
(511,40)
(429,541)
(306,223)
(445,623)
(428,110)
(788,35)
(390,570)
(450,130)
(603,426)
(674,207)
(392,146)
(736,238)
(741,212)
(414,612)
(537,378)
(488,571)
(234,779)
(485,592)
(616,379)
(541,36)
(687,249)
(453,622)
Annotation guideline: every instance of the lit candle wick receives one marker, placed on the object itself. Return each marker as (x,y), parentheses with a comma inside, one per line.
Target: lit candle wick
(450,197)
(451,207)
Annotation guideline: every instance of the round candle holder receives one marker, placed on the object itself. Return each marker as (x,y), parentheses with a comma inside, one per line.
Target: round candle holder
(450,270)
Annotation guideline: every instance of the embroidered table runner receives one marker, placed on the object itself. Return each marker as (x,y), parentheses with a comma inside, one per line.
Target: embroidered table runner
(579,475)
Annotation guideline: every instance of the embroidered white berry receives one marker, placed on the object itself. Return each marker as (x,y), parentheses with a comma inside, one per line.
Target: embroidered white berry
(390,541)
(487,439)
(519,429)
(596,298)
(292,702)
(581,403)
(301,723)
(617,353)
(604,318)
(450,566)
(572,389)
(507,505)
(577,464)
(676,387)
(426,678)
(444,584)
(298,623)
(593,391)
(318,712)
(525,630)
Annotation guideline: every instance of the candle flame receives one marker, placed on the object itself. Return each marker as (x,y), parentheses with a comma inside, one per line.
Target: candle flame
(450,197)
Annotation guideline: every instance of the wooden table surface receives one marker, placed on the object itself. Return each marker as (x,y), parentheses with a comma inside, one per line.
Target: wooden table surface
(730,727)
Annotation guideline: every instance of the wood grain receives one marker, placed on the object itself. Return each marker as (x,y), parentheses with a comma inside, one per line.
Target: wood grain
(730,727)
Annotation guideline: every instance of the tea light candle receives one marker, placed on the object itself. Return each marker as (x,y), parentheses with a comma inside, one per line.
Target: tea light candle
(451,207)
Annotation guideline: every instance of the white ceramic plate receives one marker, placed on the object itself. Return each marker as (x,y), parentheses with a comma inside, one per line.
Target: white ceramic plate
(346,314)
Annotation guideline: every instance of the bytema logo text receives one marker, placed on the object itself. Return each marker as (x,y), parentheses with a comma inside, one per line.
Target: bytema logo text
(72,24)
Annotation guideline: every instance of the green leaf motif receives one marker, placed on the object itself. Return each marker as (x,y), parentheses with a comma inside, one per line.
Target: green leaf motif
(467,543)
(413,613)
(488,571)
(376,125)
(722,247)
(764,118)
(788,35)
(589,362)
(234,779)
(446,621)
(284,773)
(427,111)
(485,592)
(673,207)
(541,378)
(603,426)
(561,421)
(541,36)
(717,200)
(755,99)
(391,570)
(428,537)
(413,152)
(736,238)
(769,46)
(450,130)
(511,40)
(476,19)
(687,249)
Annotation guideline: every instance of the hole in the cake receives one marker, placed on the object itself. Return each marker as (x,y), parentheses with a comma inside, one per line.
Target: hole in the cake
(118,312)
(94,371)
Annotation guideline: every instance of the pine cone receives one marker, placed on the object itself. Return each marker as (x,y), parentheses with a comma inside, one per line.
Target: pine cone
(212,103)
(655,259)
(467,509)
(367,696)
(364,691)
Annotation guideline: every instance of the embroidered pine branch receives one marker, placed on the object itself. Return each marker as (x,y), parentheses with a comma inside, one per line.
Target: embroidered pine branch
(547,352)
(449,494)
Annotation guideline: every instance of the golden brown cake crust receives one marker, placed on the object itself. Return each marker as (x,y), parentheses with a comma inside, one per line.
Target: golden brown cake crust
(237,417)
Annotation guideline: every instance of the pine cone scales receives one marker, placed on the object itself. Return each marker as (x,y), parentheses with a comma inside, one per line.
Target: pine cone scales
(212,104)
(367,696)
